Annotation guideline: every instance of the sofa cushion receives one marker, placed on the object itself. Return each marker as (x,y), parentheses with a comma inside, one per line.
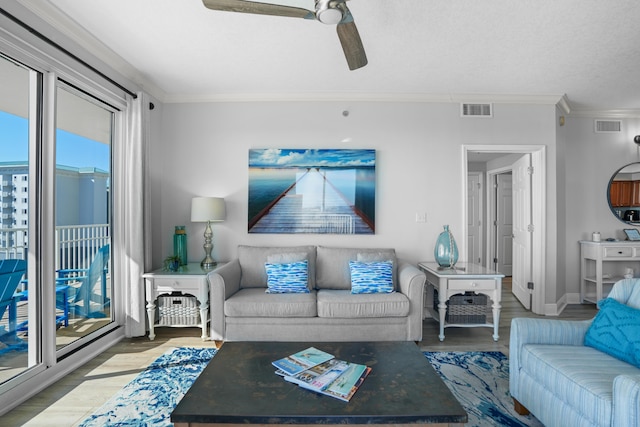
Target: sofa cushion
(286,278)
(344,304)
(254,302)
(616,331)
(253,258)
(583,374)
(332,265)
(371,277)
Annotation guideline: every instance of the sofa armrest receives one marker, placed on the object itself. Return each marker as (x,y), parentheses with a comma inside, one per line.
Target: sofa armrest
(223,282)
(540,331)
(626,400)
(411,283)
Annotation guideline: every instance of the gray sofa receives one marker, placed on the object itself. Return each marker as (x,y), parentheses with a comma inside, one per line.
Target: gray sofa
(241,310)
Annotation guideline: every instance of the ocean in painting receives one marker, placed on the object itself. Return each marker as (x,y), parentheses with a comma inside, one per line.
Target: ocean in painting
(312,191)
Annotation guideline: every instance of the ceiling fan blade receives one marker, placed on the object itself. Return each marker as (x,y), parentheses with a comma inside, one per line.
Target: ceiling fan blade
(351,44)
(258,8)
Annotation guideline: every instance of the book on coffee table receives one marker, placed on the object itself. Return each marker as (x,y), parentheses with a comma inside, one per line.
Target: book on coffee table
(335,378)
(302,360)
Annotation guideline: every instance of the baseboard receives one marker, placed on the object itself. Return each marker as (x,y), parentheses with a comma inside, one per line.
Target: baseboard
(555,309)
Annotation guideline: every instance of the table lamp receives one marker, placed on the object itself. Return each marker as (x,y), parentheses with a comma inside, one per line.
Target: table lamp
(208,209)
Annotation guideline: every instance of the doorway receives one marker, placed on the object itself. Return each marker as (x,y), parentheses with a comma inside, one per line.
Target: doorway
(529,262)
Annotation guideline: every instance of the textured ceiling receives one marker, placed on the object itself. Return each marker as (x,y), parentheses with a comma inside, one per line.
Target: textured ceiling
(587,50)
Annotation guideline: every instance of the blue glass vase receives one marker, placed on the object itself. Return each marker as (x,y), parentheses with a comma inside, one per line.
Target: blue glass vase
(446,251)
(180,244)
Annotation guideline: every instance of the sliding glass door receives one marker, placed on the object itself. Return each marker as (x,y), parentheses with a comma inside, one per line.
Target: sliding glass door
(84,129)
(55,219)
(18,85)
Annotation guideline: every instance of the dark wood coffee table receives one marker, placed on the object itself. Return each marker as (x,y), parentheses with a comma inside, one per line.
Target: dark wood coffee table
(239,386)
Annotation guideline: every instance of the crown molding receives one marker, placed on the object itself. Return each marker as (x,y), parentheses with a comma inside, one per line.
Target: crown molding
(606,114)
(451,98)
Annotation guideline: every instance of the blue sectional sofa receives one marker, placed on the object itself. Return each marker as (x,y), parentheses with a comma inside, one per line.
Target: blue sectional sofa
(564,382)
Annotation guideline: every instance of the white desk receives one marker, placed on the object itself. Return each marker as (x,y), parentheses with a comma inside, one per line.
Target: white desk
(191,279)
(463,278)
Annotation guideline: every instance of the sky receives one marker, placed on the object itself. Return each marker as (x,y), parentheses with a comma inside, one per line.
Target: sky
(284,158)
(72,150)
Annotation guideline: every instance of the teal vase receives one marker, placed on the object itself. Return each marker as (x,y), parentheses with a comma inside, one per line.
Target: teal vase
(446,251)
(180,244)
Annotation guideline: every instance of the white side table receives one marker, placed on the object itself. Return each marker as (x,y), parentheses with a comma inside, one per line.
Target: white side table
(463,278)
(603,264)
(191,279)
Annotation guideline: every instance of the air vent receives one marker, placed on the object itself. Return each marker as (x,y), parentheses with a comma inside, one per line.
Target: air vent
(608,126)
(476,110)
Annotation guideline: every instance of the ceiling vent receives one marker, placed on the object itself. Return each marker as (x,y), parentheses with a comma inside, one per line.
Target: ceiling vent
(476,110)
(608,126)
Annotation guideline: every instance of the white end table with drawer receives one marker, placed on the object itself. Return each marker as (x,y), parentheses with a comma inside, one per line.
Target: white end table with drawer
(603,264)
(190,279)
(463,278)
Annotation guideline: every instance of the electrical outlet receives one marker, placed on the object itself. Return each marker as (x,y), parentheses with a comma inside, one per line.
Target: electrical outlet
(421,217)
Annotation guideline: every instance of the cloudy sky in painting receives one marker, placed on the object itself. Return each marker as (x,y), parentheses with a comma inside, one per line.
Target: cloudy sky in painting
(286,158)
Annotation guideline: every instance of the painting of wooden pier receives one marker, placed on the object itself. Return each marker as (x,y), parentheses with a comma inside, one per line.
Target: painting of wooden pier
(322,191)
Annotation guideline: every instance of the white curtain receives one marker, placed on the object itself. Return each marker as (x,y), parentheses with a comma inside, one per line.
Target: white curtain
(129,213)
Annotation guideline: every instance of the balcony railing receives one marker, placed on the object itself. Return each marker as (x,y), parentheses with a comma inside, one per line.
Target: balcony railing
(76,244)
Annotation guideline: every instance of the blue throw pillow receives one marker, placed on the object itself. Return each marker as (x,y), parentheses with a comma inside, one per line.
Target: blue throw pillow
(371,277)
(616,331)
(287,278)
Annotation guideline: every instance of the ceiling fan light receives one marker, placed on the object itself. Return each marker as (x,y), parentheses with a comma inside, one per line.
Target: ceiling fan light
(327,12)
(329,16)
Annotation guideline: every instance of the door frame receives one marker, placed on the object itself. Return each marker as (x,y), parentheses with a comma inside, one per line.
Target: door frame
(539,197)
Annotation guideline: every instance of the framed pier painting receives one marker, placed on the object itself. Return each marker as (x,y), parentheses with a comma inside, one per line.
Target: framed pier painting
(319,191)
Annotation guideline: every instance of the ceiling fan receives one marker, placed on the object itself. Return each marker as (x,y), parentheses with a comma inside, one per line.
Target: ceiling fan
(331,12)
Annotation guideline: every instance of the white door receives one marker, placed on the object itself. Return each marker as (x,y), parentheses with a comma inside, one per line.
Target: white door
(474,218)
(522,228)
(504,224)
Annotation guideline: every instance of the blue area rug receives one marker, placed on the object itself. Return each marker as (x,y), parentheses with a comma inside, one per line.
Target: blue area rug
(149,399)
(480,382)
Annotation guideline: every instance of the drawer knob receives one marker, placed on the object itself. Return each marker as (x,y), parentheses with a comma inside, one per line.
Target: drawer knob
(474,284)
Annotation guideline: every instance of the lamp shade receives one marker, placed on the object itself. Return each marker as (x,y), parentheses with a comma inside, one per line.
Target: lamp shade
(204,209)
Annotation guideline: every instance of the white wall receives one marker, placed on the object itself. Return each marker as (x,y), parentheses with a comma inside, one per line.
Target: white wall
(202,150)
(590,161)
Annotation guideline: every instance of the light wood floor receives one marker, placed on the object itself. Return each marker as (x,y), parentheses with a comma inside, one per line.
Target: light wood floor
(69,401)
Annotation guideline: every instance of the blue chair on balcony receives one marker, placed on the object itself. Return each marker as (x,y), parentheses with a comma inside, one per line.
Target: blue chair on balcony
(62,304)
(89,298)
(11,272)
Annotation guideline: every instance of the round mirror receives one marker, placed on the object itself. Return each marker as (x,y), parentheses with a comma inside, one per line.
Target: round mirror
(624,194)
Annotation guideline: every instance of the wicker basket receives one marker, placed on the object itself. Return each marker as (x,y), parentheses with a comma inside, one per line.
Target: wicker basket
(465,309)
(178,311)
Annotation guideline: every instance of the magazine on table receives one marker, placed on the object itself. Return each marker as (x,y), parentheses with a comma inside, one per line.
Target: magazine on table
(302,360)
(335,378)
